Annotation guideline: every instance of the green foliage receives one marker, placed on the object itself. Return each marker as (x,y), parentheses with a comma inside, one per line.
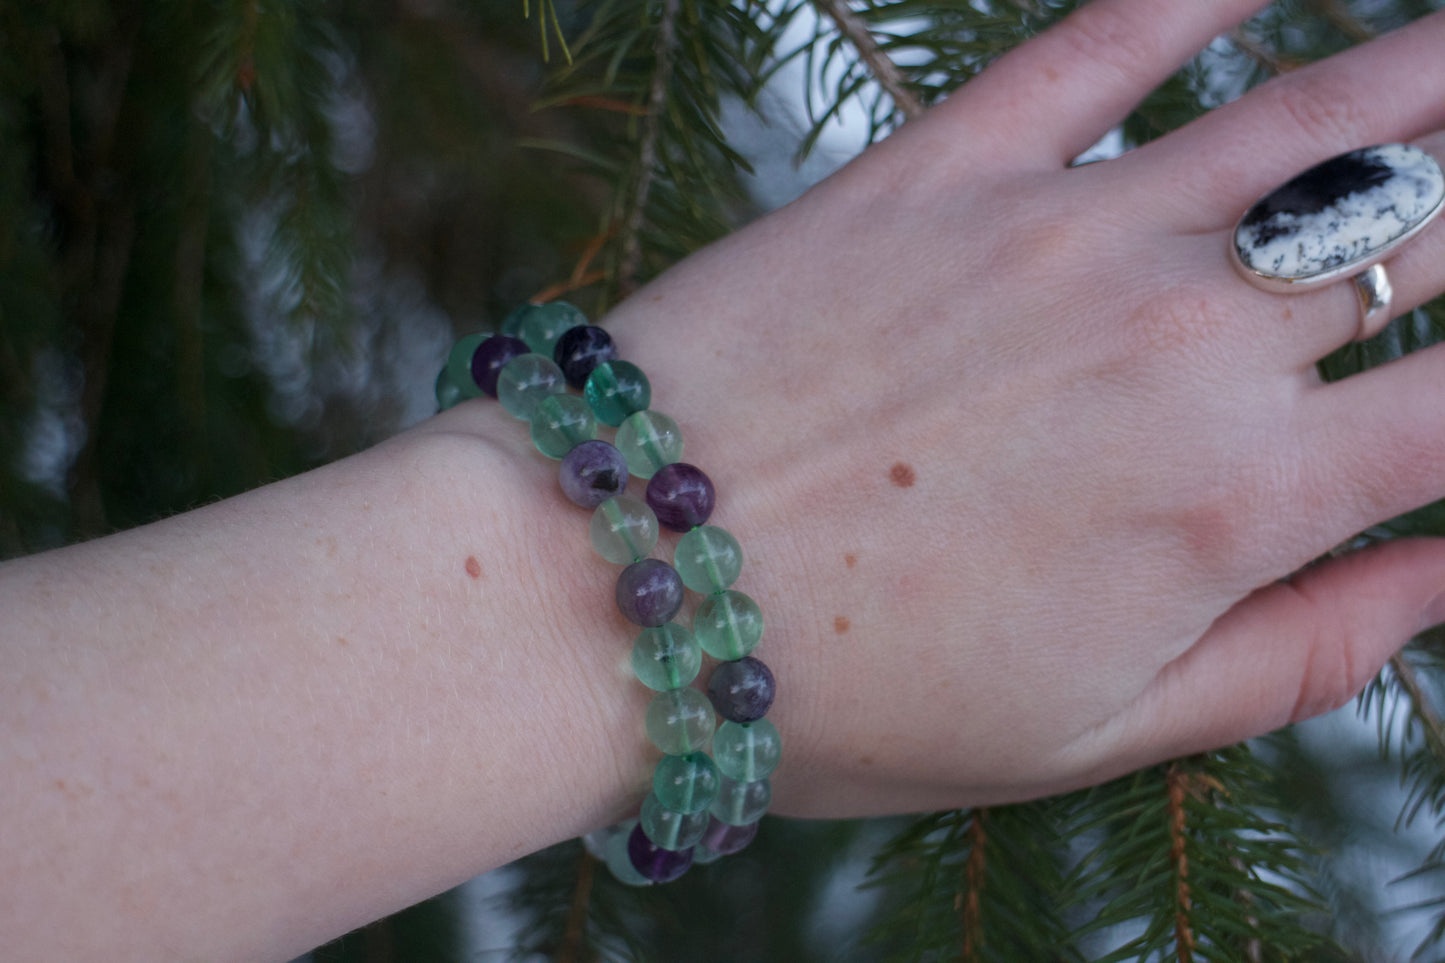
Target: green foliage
(1195,855)
(979,885)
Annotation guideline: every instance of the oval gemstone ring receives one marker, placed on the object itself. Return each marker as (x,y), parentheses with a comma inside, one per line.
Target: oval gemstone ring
(1341,219)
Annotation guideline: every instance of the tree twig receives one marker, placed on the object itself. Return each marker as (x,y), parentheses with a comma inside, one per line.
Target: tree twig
(1424,711)
(883,69)
(631,260)
(1176,784)
(975,870)
(1258,52)
(1342,20)
(572,946)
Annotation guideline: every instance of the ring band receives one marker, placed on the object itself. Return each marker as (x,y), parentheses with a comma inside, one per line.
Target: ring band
(1341,219)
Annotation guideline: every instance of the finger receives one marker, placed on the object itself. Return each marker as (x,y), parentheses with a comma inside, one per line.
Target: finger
(1288,652)
(1207,173)
(1377,443)
(1048,100)
(1302,328)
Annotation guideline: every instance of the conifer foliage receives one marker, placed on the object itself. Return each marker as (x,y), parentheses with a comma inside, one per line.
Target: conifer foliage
(225,227)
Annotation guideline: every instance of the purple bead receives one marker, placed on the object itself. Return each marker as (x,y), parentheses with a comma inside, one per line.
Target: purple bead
(593,472)
(681,496)
(657,864)
(742,691)
(581,349)
(724,839)
(649,592)
(491,356)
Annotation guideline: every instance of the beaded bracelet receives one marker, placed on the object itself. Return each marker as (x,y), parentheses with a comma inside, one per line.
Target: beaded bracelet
(701,806)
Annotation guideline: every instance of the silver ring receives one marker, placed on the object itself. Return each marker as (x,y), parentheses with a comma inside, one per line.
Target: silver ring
(1341,219)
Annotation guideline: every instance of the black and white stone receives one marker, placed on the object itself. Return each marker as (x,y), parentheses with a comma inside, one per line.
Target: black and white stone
(1345,212)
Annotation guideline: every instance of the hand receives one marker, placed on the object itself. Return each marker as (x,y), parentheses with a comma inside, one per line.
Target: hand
(1019,461)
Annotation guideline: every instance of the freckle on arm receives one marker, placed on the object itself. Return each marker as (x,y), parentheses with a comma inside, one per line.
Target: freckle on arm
(902,475)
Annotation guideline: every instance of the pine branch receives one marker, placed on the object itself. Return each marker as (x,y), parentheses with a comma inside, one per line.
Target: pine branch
(1339,16)
(975,875)
(1176,850)
(647,147)
(883,69)
(1175,782)
(1434,730)
(981,886)
(573,946)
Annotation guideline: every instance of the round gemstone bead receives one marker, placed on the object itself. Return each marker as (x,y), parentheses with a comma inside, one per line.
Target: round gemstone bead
(648,440)
(623,529)
(686,784)
(728,625)
(459,365)
(747,751)
(615,389)
(721,839)
(581,349)
(681,496)
(490,357)
(666,657)
(649,592)
(617,857)
(544,324)
(449,393)
(671,830)
(561,423)
(741,691)
(708,558)
(655,863)
(740,803)
(512,323)
(680,721)
(593,472)
(525,381)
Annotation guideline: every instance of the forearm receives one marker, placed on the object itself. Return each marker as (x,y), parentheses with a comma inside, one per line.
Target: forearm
(239,732)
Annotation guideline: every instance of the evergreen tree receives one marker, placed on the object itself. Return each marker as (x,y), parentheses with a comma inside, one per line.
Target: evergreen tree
(236,238)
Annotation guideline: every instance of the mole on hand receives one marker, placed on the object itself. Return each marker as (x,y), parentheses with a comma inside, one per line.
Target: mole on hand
(902,475)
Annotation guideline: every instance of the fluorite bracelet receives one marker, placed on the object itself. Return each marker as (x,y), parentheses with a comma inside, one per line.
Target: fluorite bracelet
(702,805)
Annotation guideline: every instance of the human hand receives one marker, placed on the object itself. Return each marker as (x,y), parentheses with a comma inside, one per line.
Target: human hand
(1019,460)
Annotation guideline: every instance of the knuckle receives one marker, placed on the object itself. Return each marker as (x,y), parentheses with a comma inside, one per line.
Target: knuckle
(1106,35)
(1179,322)
(1324,109)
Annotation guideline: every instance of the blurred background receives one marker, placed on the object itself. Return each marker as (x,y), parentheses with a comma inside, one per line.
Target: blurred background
(237,239)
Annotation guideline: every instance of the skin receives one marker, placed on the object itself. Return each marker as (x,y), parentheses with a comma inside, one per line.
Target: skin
(1021,468)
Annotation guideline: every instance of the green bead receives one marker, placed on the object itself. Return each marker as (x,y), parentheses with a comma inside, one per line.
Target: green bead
(669,829)
(686,784)
(525,381)
(624,529)
(561,423)
(544,323)
(449,393)
(701,855)
(648,440)
(728,625)
(615,389)
(666,657)
(740,803)
(708,558)
(512,323)
(747,751)
(680,721)
(619,862)
(459,365)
